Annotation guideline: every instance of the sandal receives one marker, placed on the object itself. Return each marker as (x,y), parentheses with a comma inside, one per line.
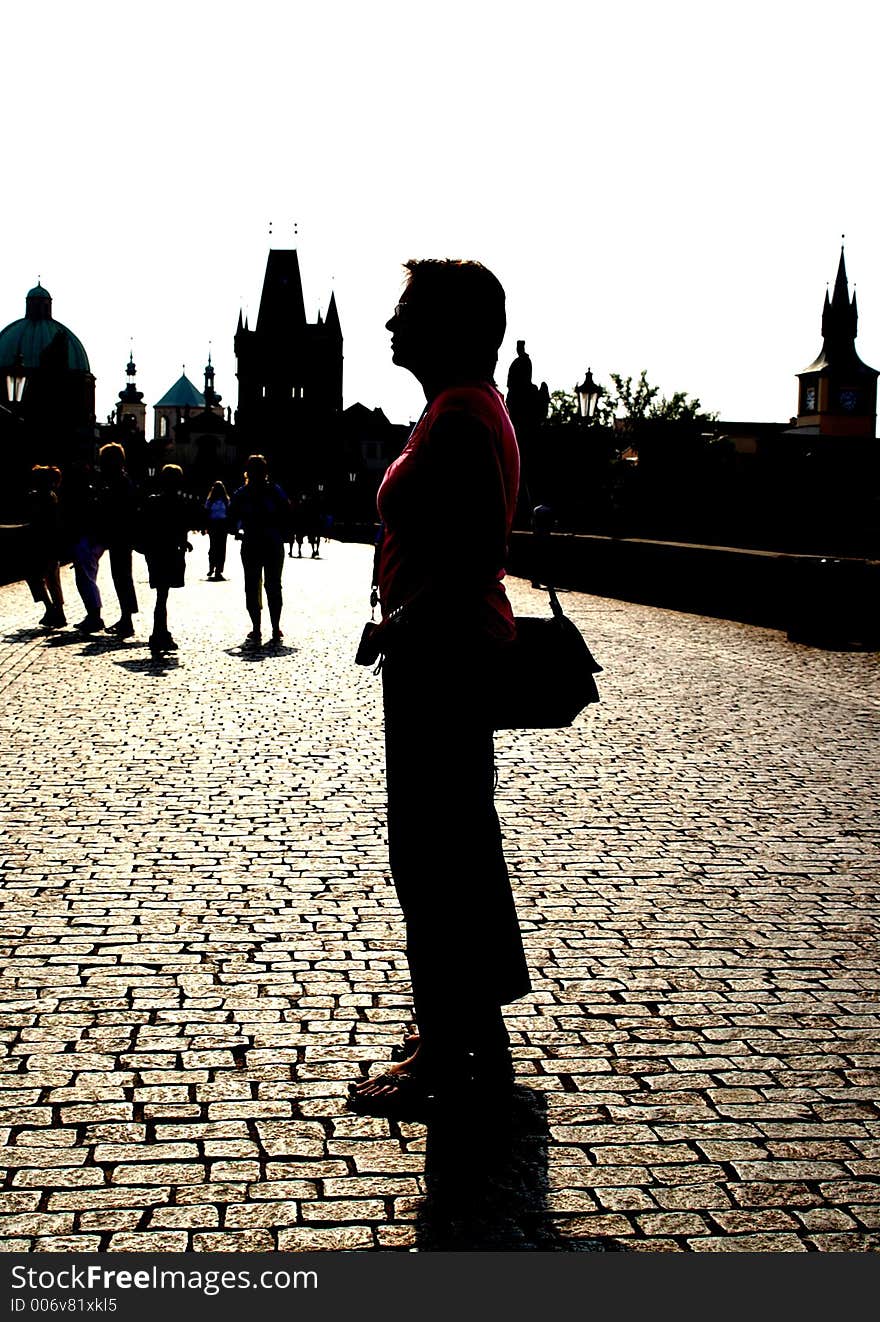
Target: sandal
(409,1044)
(399,1094)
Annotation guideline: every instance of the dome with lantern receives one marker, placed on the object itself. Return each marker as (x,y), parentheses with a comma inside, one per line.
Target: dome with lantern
(24,342)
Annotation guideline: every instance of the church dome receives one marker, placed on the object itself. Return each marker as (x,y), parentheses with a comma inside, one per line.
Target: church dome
(32,334)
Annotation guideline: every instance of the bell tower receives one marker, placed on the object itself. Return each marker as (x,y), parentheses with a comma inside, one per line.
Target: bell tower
(837,393)
(131,411)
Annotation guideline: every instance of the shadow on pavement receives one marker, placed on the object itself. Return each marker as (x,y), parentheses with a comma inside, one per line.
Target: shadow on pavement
(259,653)
(97,646)
(150,665)
(26,635)
(65,639)
(487,1185)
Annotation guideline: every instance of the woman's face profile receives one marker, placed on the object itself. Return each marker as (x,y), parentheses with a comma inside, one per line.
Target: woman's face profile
(407,326)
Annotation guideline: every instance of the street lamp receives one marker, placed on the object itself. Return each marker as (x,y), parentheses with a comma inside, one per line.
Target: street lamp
(588,396)
(15,380)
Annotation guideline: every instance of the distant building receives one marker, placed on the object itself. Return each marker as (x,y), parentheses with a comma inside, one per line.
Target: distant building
(175,405)
(838,392)
(369,444)
(46,383)
(205,439)
(128,425)
(290,382)
(131,411)
(174,440)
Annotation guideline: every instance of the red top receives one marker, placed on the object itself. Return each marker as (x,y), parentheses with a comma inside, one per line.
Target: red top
(447,504)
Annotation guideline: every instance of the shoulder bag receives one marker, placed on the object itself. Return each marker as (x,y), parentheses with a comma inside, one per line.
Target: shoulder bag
(545,677)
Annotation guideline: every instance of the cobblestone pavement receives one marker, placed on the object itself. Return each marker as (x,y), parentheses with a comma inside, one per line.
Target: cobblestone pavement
(201,943)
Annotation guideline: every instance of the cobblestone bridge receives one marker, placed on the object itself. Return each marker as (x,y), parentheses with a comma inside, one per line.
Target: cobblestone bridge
(201,944)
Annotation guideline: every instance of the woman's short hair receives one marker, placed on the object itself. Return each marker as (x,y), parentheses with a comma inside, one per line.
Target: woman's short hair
(112,451)
(45,477)
(467,307)
(256,466)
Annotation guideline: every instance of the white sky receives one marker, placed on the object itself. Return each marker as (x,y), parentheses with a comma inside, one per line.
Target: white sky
(658,185)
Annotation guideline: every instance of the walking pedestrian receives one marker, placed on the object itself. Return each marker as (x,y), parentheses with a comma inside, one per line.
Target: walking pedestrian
(260,512)
(447,506)
(297,526)
(217,510)
(82,515)
(118,501)
(167,517)
(315,528)
(43,544)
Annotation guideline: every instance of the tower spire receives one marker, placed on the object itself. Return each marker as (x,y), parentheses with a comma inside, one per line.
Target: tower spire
(840,297)
(211,396)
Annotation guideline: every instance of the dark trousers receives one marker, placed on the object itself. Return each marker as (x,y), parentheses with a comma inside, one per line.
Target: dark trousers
(464,946)
(120,572)
(216,549)
(262,563)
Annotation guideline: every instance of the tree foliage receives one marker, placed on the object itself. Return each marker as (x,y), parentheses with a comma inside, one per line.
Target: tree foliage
(643,402)
(628,403)
(563,408)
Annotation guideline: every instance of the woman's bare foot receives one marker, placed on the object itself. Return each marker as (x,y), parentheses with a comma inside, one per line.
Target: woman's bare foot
(397,1077)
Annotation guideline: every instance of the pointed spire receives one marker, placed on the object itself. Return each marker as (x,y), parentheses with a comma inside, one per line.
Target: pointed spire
(240,325)
(840,297)
(211,396)
(840,318)
(282,309)
(332,321)
(130,394)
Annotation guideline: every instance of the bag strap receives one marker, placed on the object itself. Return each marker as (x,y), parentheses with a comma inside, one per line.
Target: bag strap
(374,581)
(555,607)
(398,612)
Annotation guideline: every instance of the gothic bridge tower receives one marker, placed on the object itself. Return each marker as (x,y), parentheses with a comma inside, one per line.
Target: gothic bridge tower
(290,382)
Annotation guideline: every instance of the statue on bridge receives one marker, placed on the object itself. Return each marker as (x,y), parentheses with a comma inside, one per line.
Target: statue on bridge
(528,406)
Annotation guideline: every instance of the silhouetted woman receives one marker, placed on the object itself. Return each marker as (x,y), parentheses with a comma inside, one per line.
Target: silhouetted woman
(167,517)
(447,506)
(261,511)
(217,510)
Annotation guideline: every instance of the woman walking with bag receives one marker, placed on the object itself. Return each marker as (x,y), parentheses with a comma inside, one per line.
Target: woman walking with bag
(167,517)
(447,506)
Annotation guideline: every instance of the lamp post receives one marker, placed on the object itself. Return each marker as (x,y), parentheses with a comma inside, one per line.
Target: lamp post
(16,379)
(588,395)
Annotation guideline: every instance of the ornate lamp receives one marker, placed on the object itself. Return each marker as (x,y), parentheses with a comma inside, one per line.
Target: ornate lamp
(588,396)
(15,380)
